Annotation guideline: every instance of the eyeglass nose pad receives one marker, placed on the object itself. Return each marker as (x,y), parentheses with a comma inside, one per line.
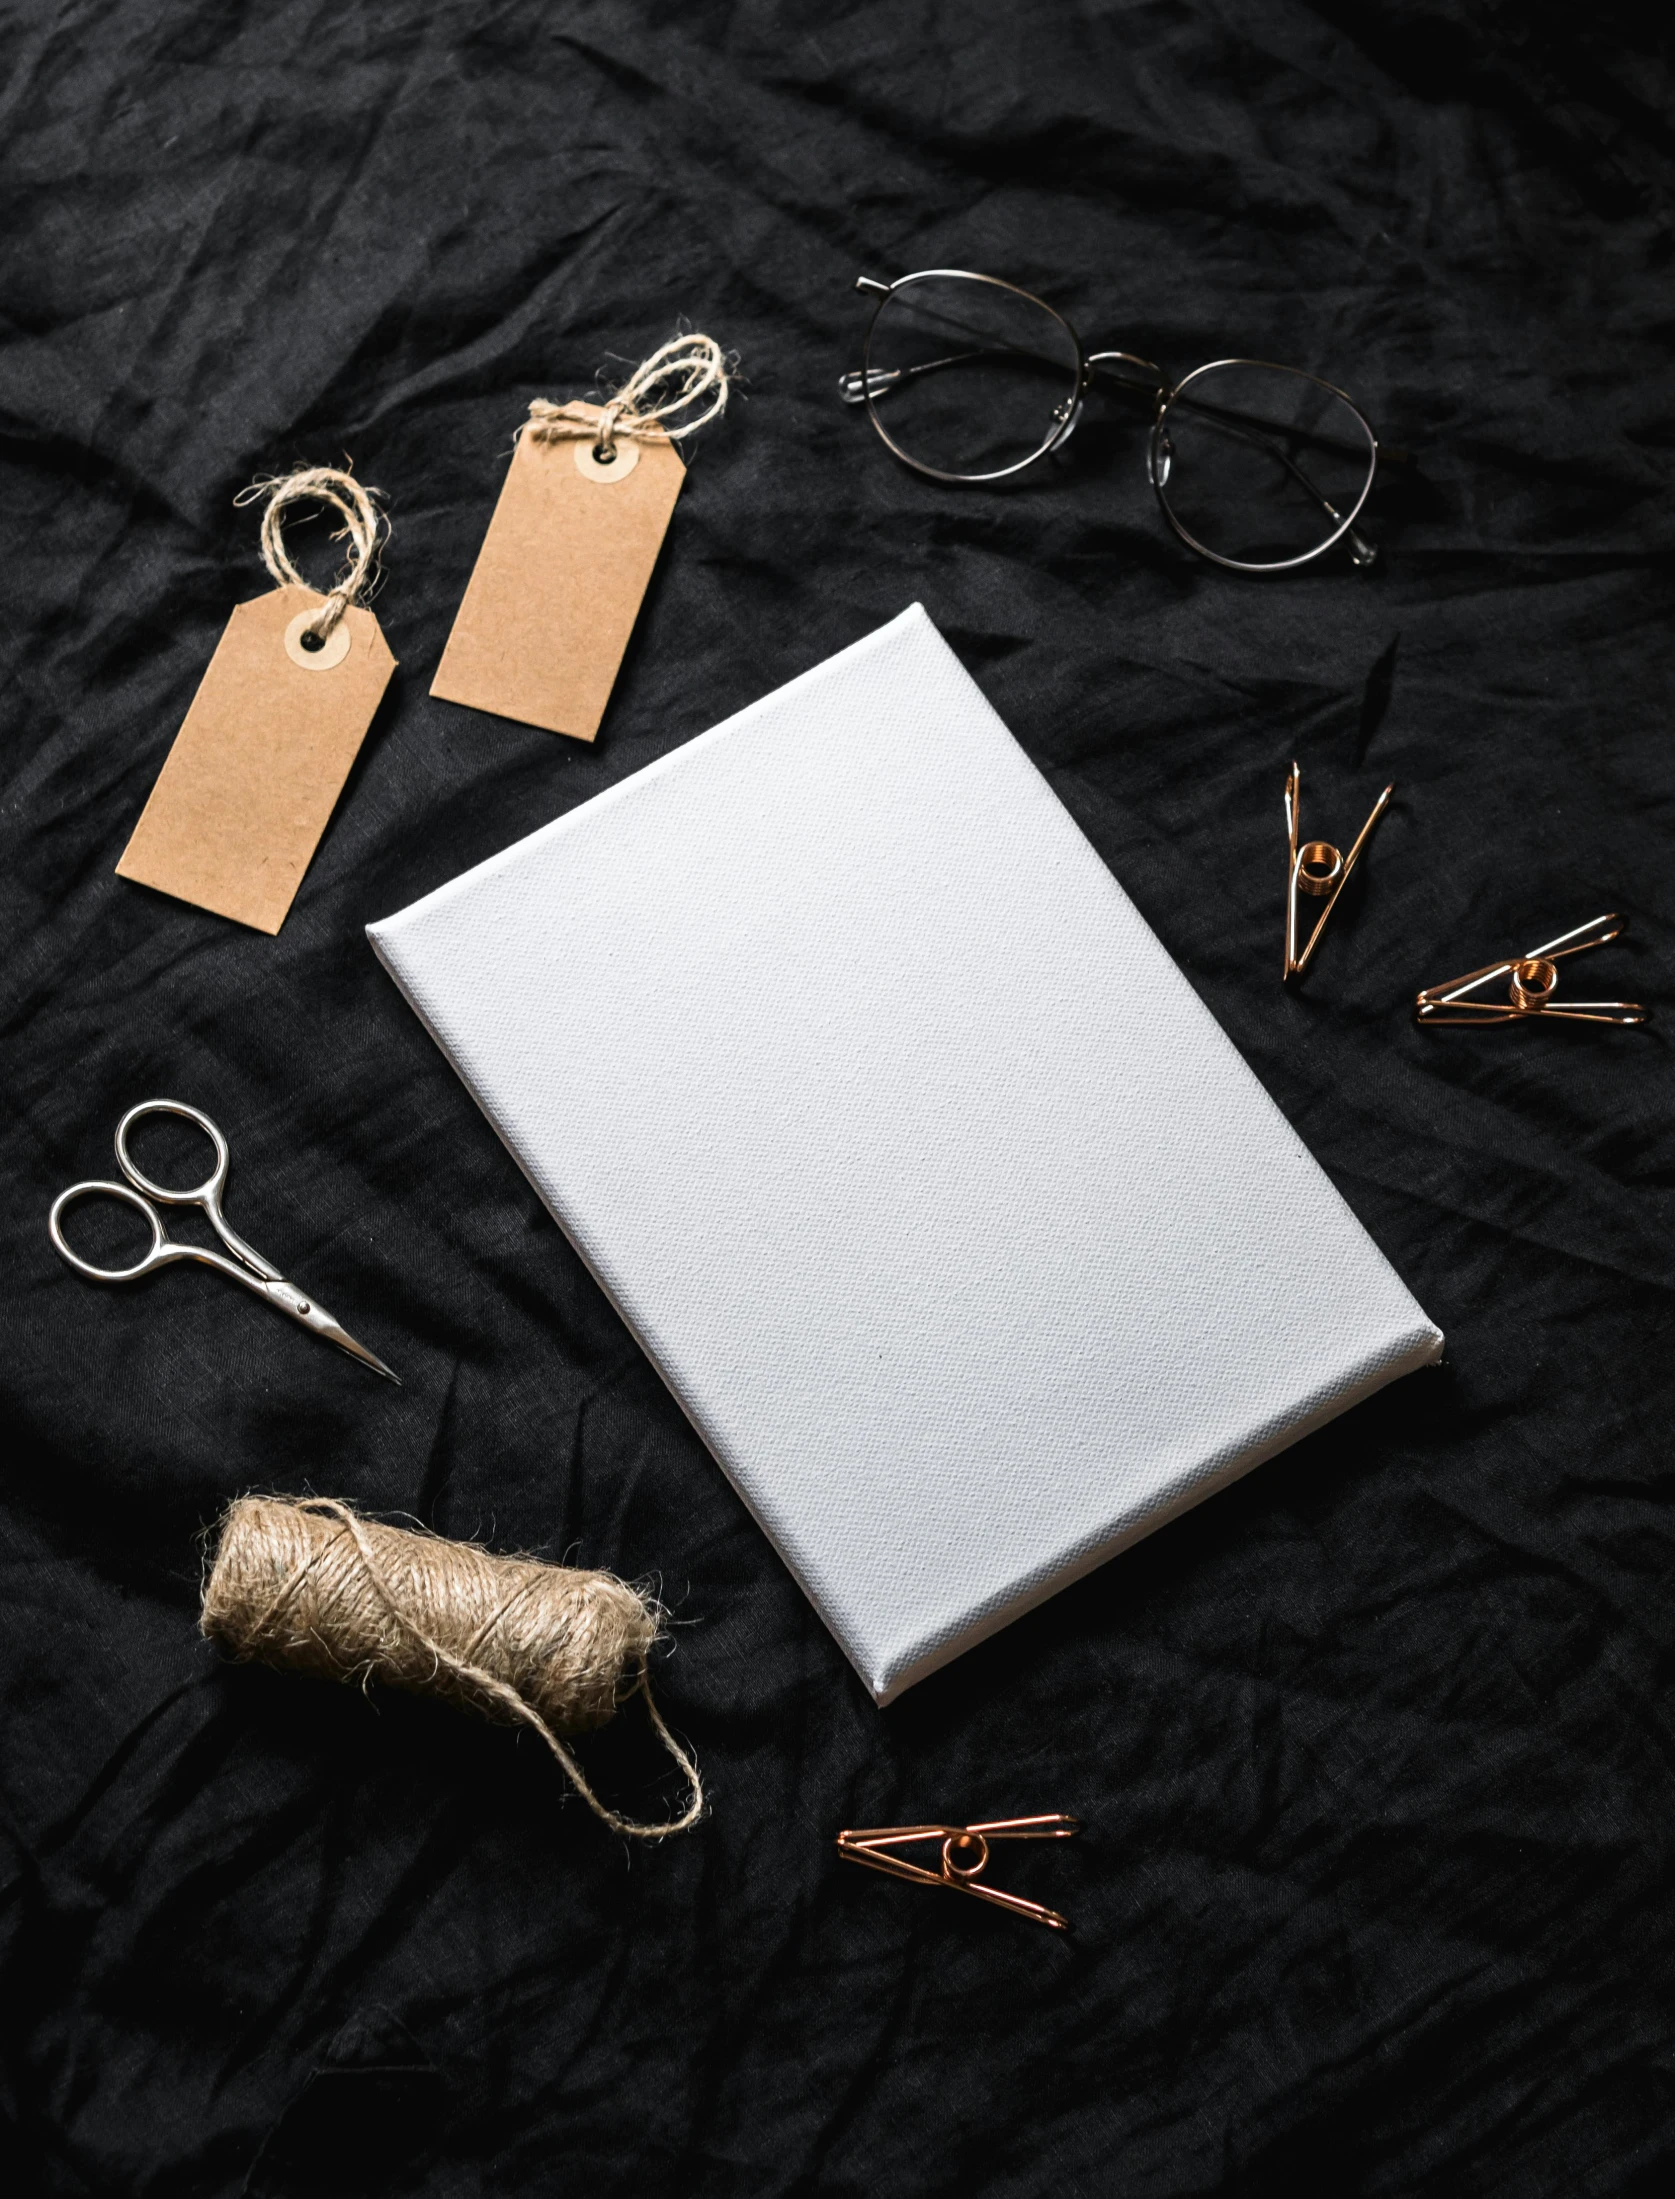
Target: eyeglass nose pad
(1067,416)
(1160,456)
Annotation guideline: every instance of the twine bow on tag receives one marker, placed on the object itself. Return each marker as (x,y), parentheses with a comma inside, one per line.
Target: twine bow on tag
(364,527)
(685,370)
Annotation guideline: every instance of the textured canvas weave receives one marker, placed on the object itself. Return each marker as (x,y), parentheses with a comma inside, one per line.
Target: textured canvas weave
(957,1226)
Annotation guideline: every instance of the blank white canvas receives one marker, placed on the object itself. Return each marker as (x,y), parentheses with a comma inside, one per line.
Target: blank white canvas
(963,1235)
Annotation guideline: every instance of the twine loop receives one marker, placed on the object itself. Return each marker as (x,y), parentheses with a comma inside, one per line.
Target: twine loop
(364,527)
(309,1585)
(681,373)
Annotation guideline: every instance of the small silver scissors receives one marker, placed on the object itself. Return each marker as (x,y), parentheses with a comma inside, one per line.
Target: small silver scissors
(246,1266)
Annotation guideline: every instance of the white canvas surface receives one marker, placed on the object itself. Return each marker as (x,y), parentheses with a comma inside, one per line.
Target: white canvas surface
(963,1235)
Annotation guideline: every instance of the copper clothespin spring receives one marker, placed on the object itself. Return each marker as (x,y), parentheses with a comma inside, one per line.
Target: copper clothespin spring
(965,1855)
(1531,979)
(1317,869)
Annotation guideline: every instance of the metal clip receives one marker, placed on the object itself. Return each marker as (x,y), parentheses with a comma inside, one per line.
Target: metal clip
(964,1857)
(1316,868)
(1531,979)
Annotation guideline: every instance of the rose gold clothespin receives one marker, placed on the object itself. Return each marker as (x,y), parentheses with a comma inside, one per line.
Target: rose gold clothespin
(1317,869)
(1530,982)
(964,1857)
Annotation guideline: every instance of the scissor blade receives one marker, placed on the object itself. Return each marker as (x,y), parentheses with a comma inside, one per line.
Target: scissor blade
(340,1336)
(307,1310)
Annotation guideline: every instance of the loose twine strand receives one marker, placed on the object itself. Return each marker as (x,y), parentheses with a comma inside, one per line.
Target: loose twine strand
(365,527)
(309,1585)
(686,370)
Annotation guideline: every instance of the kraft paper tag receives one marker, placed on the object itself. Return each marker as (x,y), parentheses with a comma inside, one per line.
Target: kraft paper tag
(256,768)
(559,581)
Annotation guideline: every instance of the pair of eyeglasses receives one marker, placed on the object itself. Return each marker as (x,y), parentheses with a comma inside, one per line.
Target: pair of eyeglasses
(967,378)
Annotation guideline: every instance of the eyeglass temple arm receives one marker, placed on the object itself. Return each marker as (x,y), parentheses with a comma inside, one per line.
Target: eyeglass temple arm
(1157,385)
(1227,416)
(858,385)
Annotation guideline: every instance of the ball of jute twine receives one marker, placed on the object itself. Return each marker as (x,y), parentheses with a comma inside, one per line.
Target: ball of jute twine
(681,373)
(309,1585)
(365,526)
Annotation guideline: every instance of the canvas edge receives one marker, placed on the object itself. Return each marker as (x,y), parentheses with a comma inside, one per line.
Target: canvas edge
(890,1680)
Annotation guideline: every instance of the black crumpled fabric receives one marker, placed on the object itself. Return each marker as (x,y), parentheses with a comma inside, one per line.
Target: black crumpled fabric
(1375,1751)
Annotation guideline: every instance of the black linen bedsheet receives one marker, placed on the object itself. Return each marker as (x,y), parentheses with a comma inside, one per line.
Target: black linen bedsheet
(1374,1752)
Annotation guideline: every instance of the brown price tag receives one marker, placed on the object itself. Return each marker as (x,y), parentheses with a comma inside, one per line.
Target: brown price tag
(560,578)
(256,769)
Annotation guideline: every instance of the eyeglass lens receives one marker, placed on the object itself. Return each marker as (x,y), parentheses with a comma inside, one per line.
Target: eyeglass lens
(1260,465)
(967,377)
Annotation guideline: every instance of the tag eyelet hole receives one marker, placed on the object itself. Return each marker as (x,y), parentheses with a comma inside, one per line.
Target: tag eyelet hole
(316,652)
(606,464)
